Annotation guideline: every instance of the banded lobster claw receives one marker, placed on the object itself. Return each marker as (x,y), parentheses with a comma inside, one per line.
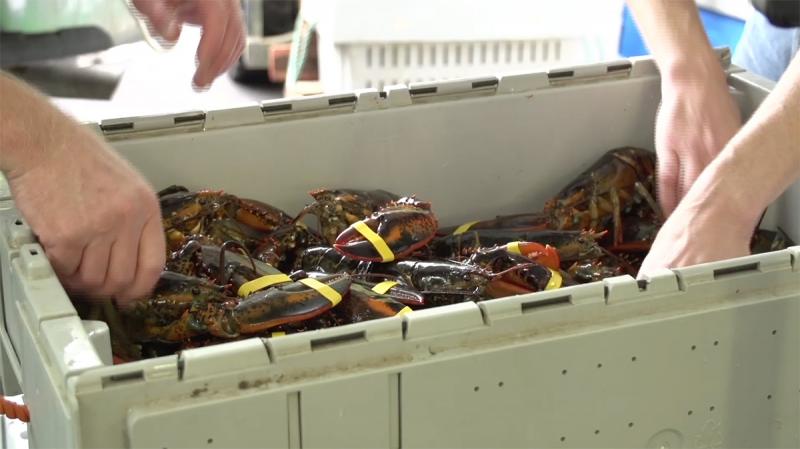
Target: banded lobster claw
(391,233)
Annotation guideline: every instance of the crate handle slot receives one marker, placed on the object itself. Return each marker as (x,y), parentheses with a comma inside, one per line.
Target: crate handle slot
(722,272)
(619,67)
(322,343)
(485,83)
(273,108)
(117,127)
(561,74)
(529,306)
(423,90)
(189,118)
(342,100)
(124,377)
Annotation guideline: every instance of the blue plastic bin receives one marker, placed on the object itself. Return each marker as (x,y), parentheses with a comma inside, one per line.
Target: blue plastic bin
(722,31)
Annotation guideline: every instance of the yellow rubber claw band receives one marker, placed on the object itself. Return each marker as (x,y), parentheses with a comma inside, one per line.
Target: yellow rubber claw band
(404,311)
(464,228)
(513,248)
(325,290)
(380,245)
(555,280)
(384,287)
(261,283)
(278,334)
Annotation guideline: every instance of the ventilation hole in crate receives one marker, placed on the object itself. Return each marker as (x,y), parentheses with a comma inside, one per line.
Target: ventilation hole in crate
(210,440)
(34,252)
(508,52)
(471,53)
(630,424)
(694,347)
(483,52)
(769,396)
(496,52)
(564,372)
(445,54)
(420,55)
(716,342)
(476,388)
(563,439)
(382,56)
(689,413)
(711,409)
(774,331)
(394,55)
(557,50)
(18,222)
(599,365)
(458,54)
(597,431)
(369,56)
(545,50)
(368,84)
(500,384)
(520,51)
(633,359)
(533,45)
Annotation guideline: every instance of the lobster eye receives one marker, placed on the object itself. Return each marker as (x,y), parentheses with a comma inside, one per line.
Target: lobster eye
(196,291)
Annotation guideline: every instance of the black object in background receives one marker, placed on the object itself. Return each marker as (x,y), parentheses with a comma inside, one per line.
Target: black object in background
(781,13)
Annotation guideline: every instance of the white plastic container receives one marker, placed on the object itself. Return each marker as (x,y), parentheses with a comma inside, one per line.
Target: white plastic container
(704,356)
(363,44)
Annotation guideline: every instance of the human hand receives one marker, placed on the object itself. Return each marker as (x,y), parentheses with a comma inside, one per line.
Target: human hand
(698,116)
(223,31)
(97,219)
(713,222)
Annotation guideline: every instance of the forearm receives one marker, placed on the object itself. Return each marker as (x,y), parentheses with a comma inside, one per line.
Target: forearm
(675,37)
(30,127)
(763,159)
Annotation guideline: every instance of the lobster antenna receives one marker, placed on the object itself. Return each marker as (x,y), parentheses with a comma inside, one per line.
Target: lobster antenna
(222,249)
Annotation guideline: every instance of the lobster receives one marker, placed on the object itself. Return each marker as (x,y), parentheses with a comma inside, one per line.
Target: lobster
(445,282)
(569,245)
(184,307)
(363,304)
(336,209)
(615,185)
(619,180)
(393,232)
(199,213)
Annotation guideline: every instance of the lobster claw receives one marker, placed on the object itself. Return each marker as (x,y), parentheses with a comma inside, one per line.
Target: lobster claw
(287,303)
(392,232)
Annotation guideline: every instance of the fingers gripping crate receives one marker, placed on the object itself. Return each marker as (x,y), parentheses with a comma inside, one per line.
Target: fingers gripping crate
(694,357)
(367,44)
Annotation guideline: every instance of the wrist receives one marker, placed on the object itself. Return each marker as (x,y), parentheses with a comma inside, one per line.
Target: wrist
(691,68)
(718,193)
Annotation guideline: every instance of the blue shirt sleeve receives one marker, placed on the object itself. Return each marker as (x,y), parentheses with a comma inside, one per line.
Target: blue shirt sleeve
(765,49)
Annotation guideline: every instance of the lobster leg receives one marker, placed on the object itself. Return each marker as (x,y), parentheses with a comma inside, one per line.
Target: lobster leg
(617,214)
(650,201)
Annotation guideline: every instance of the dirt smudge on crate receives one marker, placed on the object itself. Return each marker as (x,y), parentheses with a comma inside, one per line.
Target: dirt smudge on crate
(313,374)
(198,391)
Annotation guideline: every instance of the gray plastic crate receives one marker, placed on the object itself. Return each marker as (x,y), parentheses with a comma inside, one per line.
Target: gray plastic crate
(704,356)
